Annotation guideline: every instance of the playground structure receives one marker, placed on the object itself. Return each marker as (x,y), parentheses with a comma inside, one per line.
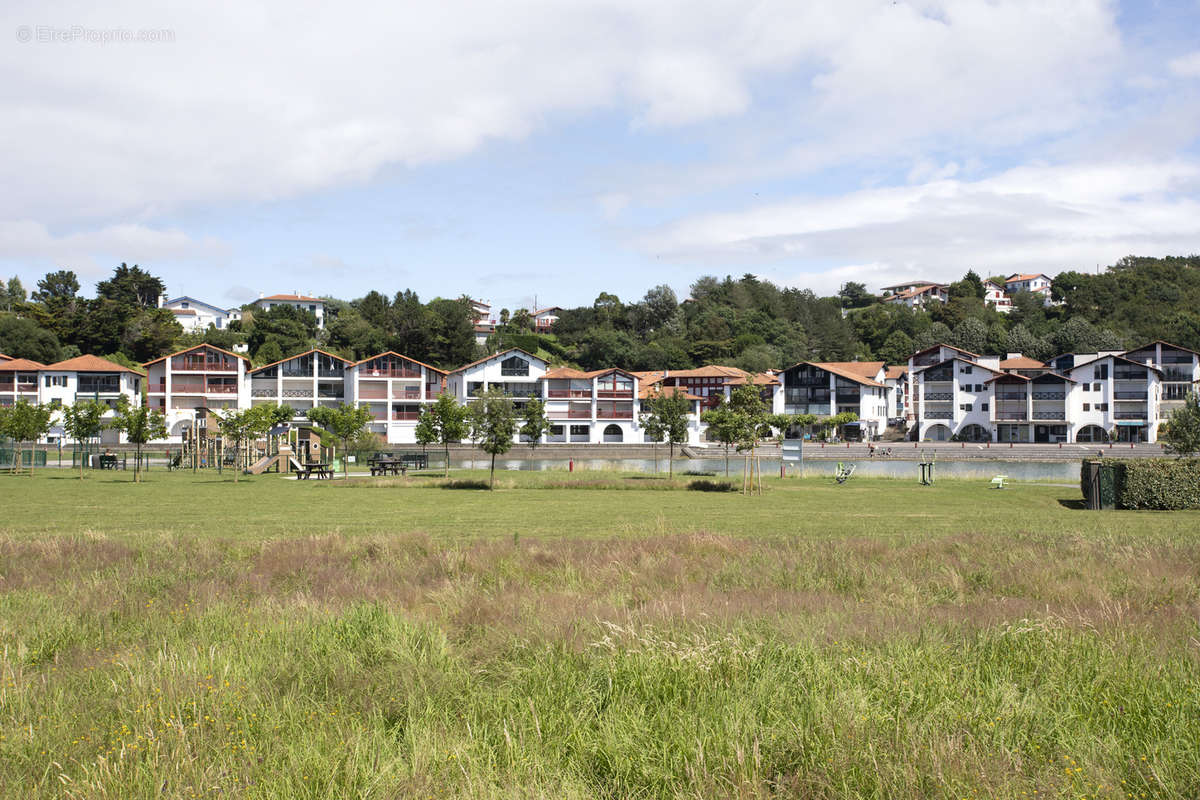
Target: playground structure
(843,472)
(927,464)
(285,449)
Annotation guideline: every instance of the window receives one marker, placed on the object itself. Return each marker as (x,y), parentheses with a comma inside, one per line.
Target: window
(979,387)
(1102,406)
(966,387)
(983,406)
(514,366)
(965,406)
(312,308)
(1087,407)
(1095,387)
(1102,372)
(183,304)
(966,370)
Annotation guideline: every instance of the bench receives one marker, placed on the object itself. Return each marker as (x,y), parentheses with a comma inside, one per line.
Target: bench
(998,481)
(320,470)
(381,466)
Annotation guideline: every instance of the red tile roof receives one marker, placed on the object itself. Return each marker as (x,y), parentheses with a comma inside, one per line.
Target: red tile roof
(293,297)
(896,372)
(184,311)
(649,390)
(1022,362)
(90,364)
(5,358)
(21,365)
(306,352)
(1025,277)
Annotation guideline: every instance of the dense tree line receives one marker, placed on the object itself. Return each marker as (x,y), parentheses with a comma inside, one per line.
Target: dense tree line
(744,322)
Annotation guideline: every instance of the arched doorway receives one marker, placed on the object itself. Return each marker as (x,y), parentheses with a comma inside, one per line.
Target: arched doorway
(1092,433)
(938,433)
(974,433)
(612,433)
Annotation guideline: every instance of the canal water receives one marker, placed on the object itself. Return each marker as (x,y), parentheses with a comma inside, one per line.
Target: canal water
(1052,471)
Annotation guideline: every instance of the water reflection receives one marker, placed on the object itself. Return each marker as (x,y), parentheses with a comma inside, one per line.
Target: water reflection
(1057,471)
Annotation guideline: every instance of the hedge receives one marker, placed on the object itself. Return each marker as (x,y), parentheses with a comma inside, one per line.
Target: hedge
(1160,484)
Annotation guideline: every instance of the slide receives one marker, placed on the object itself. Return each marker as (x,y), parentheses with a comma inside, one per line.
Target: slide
(262,465)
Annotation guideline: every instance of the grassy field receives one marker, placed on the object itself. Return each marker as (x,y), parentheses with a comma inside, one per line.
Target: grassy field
(591,635)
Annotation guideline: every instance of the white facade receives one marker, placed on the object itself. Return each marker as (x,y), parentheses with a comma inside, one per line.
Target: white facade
(187,385)
(830,388)
(591,407)
(919,297)
(68,382)
(313,305)
(394,388)
(305,381)
(196,315)
(544,318)
(997,297)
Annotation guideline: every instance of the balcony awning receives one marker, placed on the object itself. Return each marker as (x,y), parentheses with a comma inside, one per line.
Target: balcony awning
(1132,422)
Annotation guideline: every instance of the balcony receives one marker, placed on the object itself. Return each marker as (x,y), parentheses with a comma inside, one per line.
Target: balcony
(939,415)
(1177,358)
(1130,415)
(935,397)
(1129,375)
(406,415)
(203,366)
(331,394)
(1013,396)
(1177,376)
(570,414)
(560,394)
(262,392)
(602,414)
(372,392)
(514,372)
(331,373)
(1055,415)
(614,394)
(1004,414)
(1139,396)
(1049,395)
(297,373)
(7,386)
(372,372)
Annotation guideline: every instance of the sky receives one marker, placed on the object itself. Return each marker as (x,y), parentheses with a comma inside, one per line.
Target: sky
(540,152)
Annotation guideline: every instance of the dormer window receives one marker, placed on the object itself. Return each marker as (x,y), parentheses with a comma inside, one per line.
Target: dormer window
(514,366)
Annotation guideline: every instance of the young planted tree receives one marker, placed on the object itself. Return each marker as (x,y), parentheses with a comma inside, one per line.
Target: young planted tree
(448,423)
(494,424)
(1182,434)
(83,422)
(754,424)
(425,431)
(243,427)
(534,424)
(344,423)
(724,425)
(140,424)
(652,427)
(668,414)
(25,422)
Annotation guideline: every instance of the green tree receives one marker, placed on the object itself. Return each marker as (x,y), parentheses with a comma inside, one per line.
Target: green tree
(425,430)
(14,295)
(1182,435)
(344,422)
(534,424)
(60,285)
(494,424)
(665,415)
(896,348)
(140,424)
(971,335)
(294,329)
(725,426)
(83,421)
(24,338)
(447,421)
(132,287)
(25,422)
(855,295)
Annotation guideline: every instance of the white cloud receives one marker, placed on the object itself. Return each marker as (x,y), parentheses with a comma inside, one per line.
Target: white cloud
(287,98)
(1032,218)
(1187,66)
(95,252)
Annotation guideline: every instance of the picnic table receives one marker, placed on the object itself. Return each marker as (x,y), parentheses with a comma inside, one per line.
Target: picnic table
(386,466)
(320,469)
(108,462)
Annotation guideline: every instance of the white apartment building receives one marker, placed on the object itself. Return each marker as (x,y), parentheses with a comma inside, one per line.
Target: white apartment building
(919,296)
(187,385)
(67,382)
(591,407)
(394,388)
(544,318)
(313,305)
(1038,283)
(196,315)
(515,371)
(836,387)
(997,297)
(305,381)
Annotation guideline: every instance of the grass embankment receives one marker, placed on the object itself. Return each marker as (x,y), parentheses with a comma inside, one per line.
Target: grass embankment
(189,637)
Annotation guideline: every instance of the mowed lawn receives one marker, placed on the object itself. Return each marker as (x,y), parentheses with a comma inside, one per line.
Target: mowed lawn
(591,635)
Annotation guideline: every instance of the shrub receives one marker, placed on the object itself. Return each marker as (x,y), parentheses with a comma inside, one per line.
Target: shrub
(466,484)
(711,486)
(699,473)
(1158,484)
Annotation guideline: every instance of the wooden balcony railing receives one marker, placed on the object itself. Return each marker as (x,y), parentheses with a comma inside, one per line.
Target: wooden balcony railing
(586,414)
(602,414)
(614,394)
(372,372)
(204,366)
(558,394)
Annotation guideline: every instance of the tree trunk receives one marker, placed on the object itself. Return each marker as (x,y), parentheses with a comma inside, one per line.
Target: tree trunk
(492,480)
(671,459)
(446,465)
(237,457)
(727,459)
(32,456)
(346,459)
(137,465)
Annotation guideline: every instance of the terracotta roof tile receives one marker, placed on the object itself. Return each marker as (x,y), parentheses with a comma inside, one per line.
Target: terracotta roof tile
(21,365)
(293,297)
(90,364)
(1022,362)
